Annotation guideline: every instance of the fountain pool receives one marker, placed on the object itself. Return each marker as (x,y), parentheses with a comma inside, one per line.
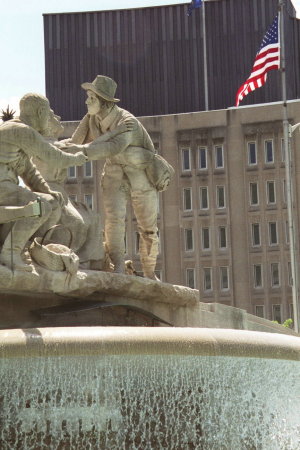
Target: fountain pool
(149,388)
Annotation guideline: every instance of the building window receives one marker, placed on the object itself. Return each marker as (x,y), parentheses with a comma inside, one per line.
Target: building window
(254,194)
(287,233)
(88,200)
(73,197)
(282,150)
(257,275)
(207,279)
(204,204)
(275,278)
(224,278)
(276,313)
(188,239)
(219,157)
(88,169)
(220,197)
(269,152)
(255,234)
(284,191)
(252,154)
(273,233)
(72,172)
(202,158)
(271,192)
(205,239)
(137,243)
(222,237)
(187,199)
(186,159)
(260,311)
(290,278)
(190,278)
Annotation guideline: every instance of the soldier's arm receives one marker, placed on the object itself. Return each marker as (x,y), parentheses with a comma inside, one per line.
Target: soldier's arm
(31,176)
(127,125)
(35,181)
(33,144)
(70,147)
(114,144)
(99,150)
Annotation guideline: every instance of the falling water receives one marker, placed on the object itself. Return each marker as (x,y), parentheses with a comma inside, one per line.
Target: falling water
(149,402)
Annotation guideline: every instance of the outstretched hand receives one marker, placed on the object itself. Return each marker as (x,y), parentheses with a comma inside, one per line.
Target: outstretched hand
(58,196)
(70,147)
(80,158)
(127,125)
(62,143)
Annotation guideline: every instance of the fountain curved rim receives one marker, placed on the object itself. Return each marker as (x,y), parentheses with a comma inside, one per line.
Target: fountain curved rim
(81,341)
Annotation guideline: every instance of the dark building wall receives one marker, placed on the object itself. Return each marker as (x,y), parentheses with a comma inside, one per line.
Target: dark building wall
(156,56)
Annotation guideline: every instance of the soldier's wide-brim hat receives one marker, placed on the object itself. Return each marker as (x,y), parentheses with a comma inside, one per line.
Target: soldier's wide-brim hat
(103,86)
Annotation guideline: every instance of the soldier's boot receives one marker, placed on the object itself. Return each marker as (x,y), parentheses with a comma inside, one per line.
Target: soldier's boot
(117,258)
(115,244)
(119,265)
(149,273)
(148,253)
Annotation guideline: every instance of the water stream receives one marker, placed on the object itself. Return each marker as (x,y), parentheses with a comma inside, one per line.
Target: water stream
(149,402)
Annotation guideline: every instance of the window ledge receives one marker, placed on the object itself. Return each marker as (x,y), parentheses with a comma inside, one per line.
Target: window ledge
(224,294)
(208,294)
(186,175)
(71,181)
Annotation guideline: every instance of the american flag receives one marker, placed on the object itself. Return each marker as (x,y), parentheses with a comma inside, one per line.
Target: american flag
(267,58)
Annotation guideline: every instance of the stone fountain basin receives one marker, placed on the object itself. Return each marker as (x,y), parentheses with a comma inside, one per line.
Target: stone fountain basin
(148,341)
(145,388)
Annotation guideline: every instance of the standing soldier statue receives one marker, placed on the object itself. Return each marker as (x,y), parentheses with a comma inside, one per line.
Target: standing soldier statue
(132,171)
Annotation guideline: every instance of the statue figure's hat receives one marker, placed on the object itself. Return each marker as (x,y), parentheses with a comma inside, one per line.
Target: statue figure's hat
(103,86)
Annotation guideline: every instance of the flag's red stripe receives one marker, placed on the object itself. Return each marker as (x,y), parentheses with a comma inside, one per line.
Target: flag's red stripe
(267,69)
(260,66)
(265,52)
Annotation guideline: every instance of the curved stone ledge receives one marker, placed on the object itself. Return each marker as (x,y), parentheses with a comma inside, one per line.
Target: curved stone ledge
(81,341)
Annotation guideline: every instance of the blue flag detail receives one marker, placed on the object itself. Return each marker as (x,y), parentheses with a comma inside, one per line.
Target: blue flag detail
(194,4)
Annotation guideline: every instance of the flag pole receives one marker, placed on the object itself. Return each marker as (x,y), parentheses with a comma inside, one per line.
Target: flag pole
(204,56)
(287,133)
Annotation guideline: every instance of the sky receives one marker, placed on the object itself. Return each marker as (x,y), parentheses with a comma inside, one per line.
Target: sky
(22,40)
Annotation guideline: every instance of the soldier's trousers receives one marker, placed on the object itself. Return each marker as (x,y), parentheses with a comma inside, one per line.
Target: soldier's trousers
(121,184)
